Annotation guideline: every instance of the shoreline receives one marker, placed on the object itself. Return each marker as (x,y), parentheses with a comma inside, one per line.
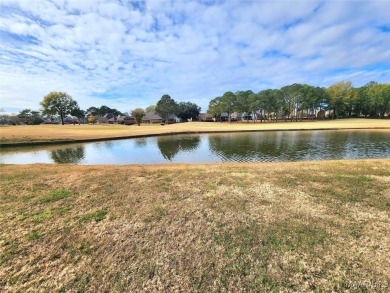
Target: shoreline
(277,165)
(156,134)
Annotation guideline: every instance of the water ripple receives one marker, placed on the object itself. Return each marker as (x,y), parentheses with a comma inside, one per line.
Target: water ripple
(232,147)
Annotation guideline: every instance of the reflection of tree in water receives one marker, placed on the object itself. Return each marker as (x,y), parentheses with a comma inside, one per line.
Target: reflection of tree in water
(140,142)
(109,144)
(243,147)
(285,146)
(169,147)
(68,155)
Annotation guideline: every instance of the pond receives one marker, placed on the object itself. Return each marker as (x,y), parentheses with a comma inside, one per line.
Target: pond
(279,146)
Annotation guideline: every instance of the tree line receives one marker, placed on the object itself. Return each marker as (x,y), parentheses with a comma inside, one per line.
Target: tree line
(291,102)
(58,104)
(167,106)
(297,101)
(62,104)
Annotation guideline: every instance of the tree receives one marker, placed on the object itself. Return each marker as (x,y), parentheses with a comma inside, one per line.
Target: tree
(92,111)
(267,102)
(36,117)
(242,102)
(166,106)
(293,101)
(339,95)
(102,110)
(229,103)
(26,116)
(138,113)
(293,95)
(215,108)
(312,98)
(58,103)
(80,114)
(380,95)
(276,102)
(187,110)
(255,105)
(151,108)
(322,100)
(30,117)
(91,119)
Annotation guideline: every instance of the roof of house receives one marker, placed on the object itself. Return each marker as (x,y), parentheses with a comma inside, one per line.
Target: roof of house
(205,116)
(151,116)
(70,118)
(109,116)
(172,116)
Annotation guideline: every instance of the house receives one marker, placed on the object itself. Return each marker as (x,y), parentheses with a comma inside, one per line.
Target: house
(51,120)
(108,118)
(114,120)
(173,119)
(224,116)
(4,121)
(119,119)
(71,120)
(236,116)
(152,117)
(250,116)
(321,114)
(205,117)
(125,119)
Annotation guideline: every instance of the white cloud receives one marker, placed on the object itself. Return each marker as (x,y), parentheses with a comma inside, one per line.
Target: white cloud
(124,56)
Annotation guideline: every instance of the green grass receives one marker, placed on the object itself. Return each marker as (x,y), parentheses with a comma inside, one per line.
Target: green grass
(34,235)
(96,216)
(42,217)
(55,196)
(10,249)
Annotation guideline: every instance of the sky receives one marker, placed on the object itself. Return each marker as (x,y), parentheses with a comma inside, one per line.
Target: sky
(127,54)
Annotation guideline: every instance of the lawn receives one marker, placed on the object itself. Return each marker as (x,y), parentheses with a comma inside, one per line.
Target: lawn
(308,226)
(42,133)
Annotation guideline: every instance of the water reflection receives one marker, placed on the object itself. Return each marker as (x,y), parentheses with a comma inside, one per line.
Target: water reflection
(68,156)
(299,146)
(141,142)
(171,146)
(223,147)
(109,144)
(105,145)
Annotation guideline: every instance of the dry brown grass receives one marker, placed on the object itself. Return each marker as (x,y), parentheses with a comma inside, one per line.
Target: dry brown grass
(307,226)
(15,134)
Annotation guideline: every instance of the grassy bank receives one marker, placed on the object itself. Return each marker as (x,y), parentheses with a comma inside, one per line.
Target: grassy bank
(47,133)
(280,226)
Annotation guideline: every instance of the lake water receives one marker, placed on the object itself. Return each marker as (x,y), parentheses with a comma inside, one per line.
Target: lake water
(280,146)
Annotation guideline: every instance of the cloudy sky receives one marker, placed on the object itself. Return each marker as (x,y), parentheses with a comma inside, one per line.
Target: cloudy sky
(127,54)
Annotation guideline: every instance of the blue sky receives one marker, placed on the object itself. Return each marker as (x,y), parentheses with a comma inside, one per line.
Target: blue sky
(127,54)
